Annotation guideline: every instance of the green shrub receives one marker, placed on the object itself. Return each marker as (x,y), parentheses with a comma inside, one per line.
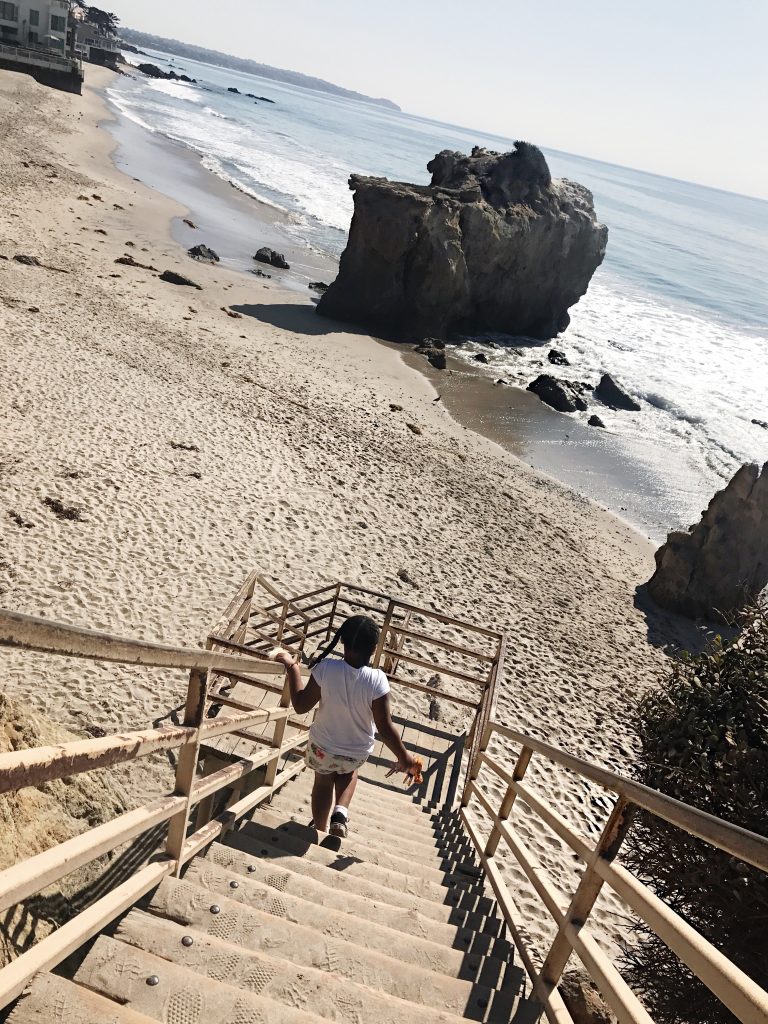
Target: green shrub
(704,740)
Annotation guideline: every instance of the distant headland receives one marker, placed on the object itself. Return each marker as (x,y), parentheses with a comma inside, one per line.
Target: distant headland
(252,67)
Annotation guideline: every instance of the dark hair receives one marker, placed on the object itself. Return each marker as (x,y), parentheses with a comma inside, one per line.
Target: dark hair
(359,633)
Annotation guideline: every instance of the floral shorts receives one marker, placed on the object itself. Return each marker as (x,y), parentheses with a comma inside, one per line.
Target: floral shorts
(325,763)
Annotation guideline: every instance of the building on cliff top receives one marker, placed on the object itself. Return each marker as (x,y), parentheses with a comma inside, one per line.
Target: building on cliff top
(33,40)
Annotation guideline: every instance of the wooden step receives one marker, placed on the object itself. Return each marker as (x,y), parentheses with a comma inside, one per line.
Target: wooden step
(390,801)
(289,871)
(415,858)
(167,992)
(327,995)
(50,998)
(275,837)
(362,930)
(408,918)
(272,845)
(370,826)
(180,901)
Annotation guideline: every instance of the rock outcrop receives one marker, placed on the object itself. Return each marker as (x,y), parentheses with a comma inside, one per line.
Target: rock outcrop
(493,243)
(560,394)
(203,252)
(153,71)
(723,561)
(434,350)
(614,396)
(271,257)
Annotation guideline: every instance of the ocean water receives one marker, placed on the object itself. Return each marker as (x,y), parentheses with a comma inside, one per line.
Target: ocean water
(678,312)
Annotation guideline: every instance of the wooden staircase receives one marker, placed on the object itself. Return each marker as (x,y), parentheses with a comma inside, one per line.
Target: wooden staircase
(247,916)
(282,925)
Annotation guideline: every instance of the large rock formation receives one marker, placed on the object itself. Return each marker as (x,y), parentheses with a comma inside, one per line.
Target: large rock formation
(723,561)
(493,243)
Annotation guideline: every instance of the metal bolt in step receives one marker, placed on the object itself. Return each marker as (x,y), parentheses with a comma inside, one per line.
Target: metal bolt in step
(251,868)
(187,940)
(215,909)
(153,980)
(234,885)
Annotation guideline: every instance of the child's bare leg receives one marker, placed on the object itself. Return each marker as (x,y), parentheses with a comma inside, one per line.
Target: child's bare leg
(345,786)
(322,801)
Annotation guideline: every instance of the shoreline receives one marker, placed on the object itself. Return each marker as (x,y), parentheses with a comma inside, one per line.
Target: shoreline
(184,447)
(508,416)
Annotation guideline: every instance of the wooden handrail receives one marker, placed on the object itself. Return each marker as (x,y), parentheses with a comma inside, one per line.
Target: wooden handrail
(27,632)
(739,842)
(735,989)
(37,765)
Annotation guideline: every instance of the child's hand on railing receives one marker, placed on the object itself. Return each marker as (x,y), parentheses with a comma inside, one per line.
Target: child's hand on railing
(281,656)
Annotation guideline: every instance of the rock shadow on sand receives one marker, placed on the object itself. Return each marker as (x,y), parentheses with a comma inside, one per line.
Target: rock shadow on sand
(299,319)
(673,633)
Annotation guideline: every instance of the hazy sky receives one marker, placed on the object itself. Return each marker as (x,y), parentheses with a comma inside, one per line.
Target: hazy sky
(679,87)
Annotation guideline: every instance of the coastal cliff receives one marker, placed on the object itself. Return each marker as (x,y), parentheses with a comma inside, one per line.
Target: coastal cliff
(493,243)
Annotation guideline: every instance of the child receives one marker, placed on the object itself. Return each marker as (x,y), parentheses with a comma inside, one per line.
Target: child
(353,698)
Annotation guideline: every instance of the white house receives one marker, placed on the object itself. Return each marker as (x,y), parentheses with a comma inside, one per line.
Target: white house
(34,23)
(94,45)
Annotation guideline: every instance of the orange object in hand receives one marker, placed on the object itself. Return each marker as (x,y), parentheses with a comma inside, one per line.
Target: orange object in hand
(414,775)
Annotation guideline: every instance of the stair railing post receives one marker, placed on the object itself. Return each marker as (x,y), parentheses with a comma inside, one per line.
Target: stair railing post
(509,798)
(376,660)
(186,769)
(611,838)
(332,615)
(475,764)
(278,735)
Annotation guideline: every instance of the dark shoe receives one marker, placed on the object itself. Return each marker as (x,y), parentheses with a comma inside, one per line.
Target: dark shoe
(338,826)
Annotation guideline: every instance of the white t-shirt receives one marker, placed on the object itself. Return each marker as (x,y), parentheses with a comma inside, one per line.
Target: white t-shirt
(344,721)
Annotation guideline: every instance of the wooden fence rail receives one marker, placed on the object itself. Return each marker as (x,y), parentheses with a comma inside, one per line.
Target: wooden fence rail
(744,997)
(44,764)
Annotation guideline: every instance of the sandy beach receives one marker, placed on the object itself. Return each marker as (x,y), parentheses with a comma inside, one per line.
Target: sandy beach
(154,449)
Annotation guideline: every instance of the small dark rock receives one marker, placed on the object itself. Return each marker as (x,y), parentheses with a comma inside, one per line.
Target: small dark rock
(560,394)
(595,421)
(232,313)
(258,272)
(28,261)
(234,90)
(395,408)
(33,309)
(274,259)
(62,511)
(129,261)
(153,71)
(761,423)
(22,523)
(190,224)
(413,428)
(182,447)
(436,356)
(264,99)
(202,252)
(614,396)
(558,358)
(480,357)
(318,286)
(404,575)
(171,277)
(501,380)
